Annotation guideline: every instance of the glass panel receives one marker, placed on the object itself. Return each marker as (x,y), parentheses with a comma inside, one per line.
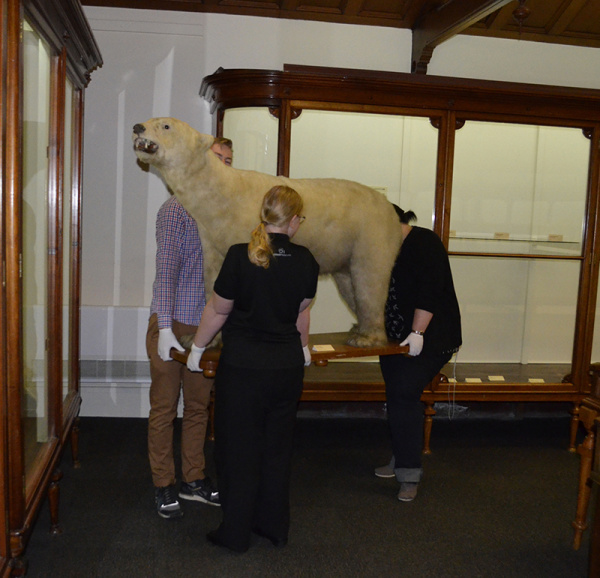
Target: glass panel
(393,154)
(36,120)
(519,189)
(254,134)
(596,341)
(66,231)
(510,316)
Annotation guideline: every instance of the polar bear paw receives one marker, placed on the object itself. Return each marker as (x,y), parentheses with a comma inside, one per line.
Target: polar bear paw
(373,339)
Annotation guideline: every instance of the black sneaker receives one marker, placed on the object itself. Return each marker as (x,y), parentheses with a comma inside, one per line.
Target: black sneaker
(201,491)
(167,505)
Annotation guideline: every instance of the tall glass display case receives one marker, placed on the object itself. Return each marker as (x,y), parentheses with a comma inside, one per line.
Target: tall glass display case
(48,53)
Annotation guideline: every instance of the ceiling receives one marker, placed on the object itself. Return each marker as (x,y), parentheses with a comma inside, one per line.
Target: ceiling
(573,22)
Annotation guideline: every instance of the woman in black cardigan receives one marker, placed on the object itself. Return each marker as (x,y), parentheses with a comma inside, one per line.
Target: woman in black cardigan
(422,312)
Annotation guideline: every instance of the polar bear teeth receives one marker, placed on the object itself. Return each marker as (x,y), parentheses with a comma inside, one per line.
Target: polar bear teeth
(145,145)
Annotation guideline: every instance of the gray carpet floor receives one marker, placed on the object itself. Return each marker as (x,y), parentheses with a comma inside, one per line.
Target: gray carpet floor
(497,500)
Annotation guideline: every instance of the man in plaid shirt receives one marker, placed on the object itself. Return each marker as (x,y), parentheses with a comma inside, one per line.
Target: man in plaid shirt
(177,304)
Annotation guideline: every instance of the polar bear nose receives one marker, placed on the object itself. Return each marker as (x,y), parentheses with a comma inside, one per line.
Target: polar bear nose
(138,128)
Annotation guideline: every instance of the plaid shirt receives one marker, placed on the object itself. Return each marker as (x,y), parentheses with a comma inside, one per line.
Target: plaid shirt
(178,290)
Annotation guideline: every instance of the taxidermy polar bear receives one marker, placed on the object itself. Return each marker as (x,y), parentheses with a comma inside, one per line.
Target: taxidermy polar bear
(352,230)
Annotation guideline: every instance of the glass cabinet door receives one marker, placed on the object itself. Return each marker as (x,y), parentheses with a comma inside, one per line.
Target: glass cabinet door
(253,131)
(516,236)
(36,124)
(393,154)
(519,189)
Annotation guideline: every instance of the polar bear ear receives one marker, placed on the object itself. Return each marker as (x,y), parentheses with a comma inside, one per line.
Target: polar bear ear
(203,142)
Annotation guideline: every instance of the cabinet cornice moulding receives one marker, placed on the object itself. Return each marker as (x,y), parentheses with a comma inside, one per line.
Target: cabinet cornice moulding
(63,24)
(229,88)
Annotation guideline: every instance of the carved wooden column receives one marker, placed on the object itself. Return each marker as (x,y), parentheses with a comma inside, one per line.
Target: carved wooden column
(588,412)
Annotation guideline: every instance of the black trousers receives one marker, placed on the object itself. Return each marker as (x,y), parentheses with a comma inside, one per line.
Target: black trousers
(255,414)
(405,379)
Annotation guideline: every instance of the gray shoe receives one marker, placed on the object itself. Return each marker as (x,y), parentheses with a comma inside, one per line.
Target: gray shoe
(408,491)
(386,471)
(201,491)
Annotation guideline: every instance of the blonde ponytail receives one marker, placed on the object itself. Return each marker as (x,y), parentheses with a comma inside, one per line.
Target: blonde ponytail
(279,206)
(259,248)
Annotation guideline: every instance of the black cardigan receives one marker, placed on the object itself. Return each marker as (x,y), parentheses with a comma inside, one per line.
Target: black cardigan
(422,279)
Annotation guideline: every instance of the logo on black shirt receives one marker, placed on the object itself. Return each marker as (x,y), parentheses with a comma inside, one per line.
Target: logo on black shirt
(281,253)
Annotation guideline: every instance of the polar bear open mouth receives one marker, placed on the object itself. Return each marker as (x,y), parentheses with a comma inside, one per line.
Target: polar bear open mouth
(145,145)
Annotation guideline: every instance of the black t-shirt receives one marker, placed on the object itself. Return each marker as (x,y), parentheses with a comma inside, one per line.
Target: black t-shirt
(260,331)
(422,279)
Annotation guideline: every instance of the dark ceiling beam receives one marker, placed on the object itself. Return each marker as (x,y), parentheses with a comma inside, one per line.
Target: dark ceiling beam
(565,18)
(353,7)
(500,19)
(440,24)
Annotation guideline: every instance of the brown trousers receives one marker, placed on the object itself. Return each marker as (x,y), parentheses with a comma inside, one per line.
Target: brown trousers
(169,378)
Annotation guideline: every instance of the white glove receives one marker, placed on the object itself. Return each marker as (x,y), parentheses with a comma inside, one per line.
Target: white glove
(193,360)
(167,340)
(415,344)
(307,357)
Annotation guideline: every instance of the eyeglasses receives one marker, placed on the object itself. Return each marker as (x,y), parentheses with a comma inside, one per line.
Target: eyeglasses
(301,218)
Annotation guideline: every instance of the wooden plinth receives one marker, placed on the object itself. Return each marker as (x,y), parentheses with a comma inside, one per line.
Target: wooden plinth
(319,353)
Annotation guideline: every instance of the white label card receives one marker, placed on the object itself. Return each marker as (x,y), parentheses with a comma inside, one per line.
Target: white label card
(323,348)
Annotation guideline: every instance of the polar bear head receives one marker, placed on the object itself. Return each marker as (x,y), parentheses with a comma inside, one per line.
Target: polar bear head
(168,143)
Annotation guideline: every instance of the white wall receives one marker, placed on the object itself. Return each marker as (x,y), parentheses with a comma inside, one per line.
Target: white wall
(154,63)
(517,61)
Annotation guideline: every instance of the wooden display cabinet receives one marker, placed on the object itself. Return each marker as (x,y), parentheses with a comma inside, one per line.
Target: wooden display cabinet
(48,53)
(510,176)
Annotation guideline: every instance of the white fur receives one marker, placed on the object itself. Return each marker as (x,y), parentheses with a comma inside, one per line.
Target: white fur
(352,230)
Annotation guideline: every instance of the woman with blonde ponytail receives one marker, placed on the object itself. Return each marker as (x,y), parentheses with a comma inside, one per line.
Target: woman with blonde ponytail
(261,301)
